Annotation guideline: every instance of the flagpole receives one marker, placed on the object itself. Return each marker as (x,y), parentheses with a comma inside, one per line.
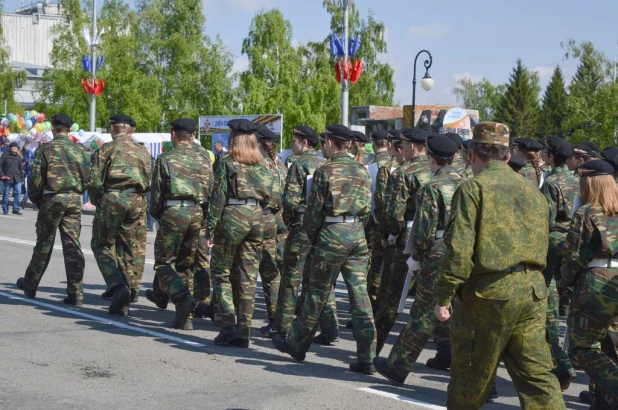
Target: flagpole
(93,101)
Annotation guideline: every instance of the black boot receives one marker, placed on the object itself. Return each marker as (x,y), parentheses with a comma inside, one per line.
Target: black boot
(493,394)
(326,339)
(161,304)
(73,301)
(205,310)
(565,374)
(108,294)
(226,334)
(282,345)
(349,325)
(184,308)
(270,329)
(585,397)
(120,302)
(21,285)
(134,295)
(364,367)
(443,358)
(381,366)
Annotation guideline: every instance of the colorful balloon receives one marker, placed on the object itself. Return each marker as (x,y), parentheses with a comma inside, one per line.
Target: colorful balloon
(27,115)
(75,127)
(34,114)
(6,122)
(13,119)
(23,132)
(28,124)
(81,133)
(39,127)
(33,132)
(41,117)
(47,125)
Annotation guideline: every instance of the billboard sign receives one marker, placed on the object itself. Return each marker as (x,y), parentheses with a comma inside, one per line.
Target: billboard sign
(217,126)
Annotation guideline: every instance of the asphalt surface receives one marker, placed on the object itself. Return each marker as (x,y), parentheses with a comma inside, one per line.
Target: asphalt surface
(54,356)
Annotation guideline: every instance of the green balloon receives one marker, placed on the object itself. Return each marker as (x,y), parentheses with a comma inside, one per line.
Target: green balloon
(47,125)
(75,127)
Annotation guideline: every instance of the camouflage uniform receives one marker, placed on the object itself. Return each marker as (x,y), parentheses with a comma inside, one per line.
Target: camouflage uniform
(297,245)
(181,183)
(59,176)
(290,160)
(201,270)
(458,164)
(466,173)
(496,244)
(385,165)
(560,189)
(269,270)
(593,313)
(238,234)
(529,173)
(341,187)
(427,238)
(119,179)
(407,182)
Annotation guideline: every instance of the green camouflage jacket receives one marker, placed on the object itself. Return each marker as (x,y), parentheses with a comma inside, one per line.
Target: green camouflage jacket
(560,189)
(498,220)
(238,181)
(118,165)
(342,186)
(407,182)
(294,193)
(593,235)
(59,165)
(278,171)
(434,208)
(458,164)
(182,173)
(529,173)
(385,164)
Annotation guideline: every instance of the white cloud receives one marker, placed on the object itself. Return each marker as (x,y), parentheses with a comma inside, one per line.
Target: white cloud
(544,71)
(249,6)
(471,77)
(241,64)
(433,30)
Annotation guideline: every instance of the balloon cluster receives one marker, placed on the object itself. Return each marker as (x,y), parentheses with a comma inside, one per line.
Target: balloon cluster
(346,69)
(31,124)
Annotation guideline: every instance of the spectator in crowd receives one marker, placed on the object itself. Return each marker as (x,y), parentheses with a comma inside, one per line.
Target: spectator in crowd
(28,156)
(12,174)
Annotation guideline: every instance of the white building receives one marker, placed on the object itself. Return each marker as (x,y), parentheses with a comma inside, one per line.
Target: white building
(28,37)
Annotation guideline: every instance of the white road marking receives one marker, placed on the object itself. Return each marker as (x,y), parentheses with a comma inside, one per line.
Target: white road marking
(103,320)
(12,217)
(25,242)
(402,398)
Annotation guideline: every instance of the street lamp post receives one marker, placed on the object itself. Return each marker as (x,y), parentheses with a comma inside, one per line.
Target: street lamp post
(426,82)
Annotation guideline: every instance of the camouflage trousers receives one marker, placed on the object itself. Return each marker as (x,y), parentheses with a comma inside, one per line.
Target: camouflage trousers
(201,269)
(552,322)
(391,289)
(593,315)
(296,250)
(238,241)
(341,247)
(61,212)
(374,277)
(139,261)
(511,328)
(114,233)
(552,270)
(422,322)
(175,248)
(269,271)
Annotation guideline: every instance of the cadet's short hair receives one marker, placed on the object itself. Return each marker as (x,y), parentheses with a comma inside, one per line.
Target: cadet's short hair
(490,152)
(442,162)
(380,143)
(339,143)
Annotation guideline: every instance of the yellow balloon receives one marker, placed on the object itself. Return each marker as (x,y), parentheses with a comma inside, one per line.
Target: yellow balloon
(211,155)
(39,127)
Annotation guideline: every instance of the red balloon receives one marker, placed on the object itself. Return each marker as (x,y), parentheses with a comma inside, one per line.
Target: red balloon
(41,117)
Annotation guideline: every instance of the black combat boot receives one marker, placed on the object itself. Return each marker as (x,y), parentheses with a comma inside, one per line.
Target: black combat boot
(493,394)
(134,295)
(226,334)
(184,308)
(73,301)
(120,302)
(108,294)
(269,330)
(381,366)
(205,310)
(161,304)
(443,358)
(364,367)
(282,345)
(21,285)
(326,339)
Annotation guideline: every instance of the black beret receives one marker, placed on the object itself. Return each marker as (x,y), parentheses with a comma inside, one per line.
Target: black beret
(456,138)
(559,147)
(595,168)
(465,145)
(393,134)
(542,141)
(62,120)
(264,133)
(379,135)
(583,149)
(610,155)
(339,131)
(244,126)
(416,135)
(528,144)
(360,137)
(307,133)
(594,147)
(13,144)
(323,137)
(184,125)
(441,146)
(516,163)
(122,119)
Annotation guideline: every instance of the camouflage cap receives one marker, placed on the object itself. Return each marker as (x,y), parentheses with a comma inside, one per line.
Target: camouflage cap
(490,132)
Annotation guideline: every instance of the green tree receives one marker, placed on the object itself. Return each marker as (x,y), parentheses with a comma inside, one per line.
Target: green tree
(9,78)
(482,96)
(554,107)
(518,107)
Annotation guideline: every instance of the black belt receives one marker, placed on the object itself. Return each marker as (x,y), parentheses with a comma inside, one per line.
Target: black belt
(521,268)
(72,191)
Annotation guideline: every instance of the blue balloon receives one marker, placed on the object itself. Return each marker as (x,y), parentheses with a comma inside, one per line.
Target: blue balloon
(27,115)
(28,124)
(81,133)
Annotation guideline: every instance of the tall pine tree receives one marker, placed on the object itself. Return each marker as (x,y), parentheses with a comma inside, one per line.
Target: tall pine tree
(519,108)
(554,108)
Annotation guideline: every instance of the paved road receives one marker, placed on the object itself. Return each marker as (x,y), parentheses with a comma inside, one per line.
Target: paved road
(56,357)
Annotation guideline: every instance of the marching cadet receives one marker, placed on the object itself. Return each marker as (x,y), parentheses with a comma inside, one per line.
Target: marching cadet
(589,264)
(59,176)
(516,163)
(339,205)
(357,147)
(428,250)
(297,245)
(529,149)
(181,183)
(581,153)
(561,188)
(466,172)
(407,182)
(242,189)
(458,164)
(119,179)
(269,269)
(496,248)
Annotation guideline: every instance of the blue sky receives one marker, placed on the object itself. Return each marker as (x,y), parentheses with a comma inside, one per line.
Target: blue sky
(474,38)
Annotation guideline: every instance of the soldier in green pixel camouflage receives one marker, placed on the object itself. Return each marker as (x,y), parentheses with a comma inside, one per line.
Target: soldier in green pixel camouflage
(59,176)
(428,251)
(496,248)
(338,207)
(119,179)
(407,182)
(590,264)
